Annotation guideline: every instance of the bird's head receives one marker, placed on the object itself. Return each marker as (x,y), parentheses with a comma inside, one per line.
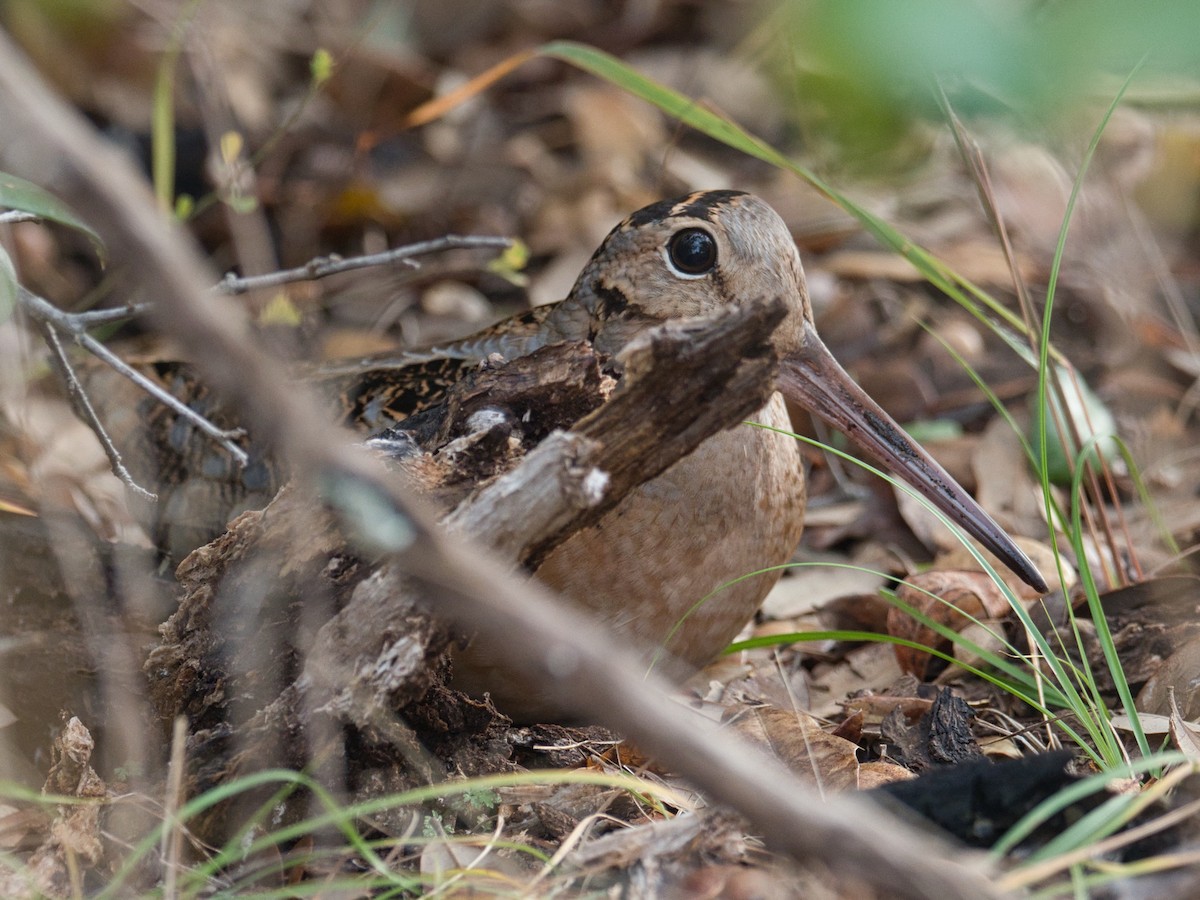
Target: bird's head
(698,253)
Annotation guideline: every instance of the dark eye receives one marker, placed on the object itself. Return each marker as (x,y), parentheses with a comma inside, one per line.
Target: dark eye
(693,251)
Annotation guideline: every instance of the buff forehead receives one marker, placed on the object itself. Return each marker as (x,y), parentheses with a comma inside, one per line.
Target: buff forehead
(764,256)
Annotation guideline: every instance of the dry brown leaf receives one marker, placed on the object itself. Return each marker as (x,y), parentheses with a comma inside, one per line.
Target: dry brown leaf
(1004,483)
(443,859)
(22,828)
(1152,725)
(951,598)
(615,132)
(1186,735)
(869,669)
(868,265)
(986,636)
(874,708)
(799,742)
(878,772)
(1001,748)
(1043,557)
(1173,688)
(807,588)
(851,727)
(439,106)
(982,262)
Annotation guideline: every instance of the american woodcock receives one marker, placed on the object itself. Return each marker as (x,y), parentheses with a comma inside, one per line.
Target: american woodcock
(736,504)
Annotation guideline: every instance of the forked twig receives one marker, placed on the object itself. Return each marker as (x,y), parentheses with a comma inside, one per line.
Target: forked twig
(48,314)
(84,409)
(324,266)
(314,269)
(51,321)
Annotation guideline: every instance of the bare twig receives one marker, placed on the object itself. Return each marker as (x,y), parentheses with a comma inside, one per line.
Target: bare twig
(170,849)
(52,320)
(542,638)
(93,317)
(52,316)
(85,410)
(324,266)
(318,267)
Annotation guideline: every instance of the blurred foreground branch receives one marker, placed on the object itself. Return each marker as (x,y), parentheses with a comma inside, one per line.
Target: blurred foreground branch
(48,143)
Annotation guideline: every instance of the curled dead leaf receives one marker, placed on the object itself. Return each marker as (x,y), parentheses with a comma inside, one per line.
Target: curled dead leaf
(874,708)
(878,772)
(1043,557)
(22,829)
(1172,689)
(1186,735)
(950,598)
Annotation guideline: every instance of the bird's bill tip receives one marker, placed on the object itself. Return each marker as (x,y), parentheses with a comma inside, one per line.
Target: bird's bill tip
(813,379)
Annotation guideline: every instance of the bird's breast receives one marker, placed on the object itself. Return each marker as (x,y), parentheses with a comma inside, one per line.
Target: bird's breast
(652,567)
(657,569)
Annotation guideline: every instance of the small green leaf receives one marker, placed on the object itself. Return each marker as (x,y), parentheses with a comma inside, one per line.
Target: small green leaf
(280,310)
(8,286)
(241,204)
(321,66)
(508,265)
(19,194)
(1092,421)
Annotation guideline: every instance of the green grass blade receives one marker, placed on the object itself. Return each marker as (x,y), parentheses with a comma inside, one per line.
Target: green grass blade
(1043,397)
(1044,369)
(162,114)
(8,286)
(1091,714)
(1076,792)
(25,196)
(691,113)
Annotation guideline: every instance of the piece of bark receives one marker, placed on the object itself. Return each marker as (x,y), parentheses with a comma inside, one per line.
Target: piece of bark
(684,381)
(941,737)
(298,571)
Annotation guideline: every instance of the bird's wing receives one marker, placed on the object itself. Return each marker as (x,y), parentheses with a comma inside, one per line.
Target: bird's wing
(376,392)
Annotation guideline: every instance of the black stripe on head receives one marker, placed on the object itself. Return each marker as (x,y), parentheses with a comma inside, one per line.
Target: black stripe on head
(651,213)
(698,205)
(704,205)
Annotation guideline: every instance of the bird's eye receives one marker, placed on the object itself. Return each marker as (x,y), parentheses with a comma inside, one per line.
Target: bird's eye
(692,251)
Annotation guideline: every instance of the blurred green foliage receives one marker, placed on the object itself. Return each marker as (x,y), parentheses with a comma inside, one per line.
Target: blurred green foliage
(863,71)
(75,17)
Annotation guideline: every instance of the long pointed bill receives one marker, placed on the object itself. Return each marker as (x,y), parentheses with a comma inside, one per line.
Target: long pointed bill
(815,380)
